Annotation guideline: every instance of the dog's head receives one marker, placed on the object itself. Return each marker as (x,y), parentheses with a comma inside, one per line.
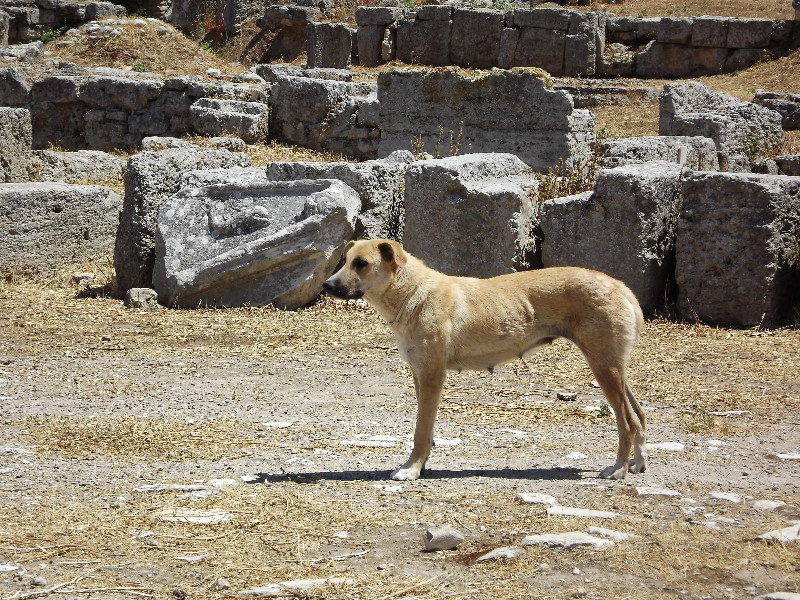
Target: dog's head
(369,268)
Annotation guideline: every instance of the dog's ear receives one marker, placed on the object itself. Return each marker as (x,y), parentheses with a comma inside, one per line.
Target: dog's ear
(392,253)
(347,247)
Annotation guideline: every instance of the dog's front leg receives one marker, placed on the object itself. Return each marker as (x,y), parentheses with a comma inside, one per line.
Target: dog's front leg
(428,383)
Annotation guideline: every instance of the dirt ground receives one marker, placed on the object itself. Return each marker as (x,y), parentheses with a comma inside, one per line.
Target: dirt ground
(289,423)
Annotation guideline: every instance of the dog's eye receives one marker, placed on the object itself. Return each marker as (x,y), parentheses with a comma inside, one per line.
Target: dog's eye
(359,263)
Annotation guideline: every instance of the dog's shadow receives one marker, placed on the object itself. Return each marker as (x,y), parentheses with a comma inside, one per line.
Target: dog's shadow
(554,474)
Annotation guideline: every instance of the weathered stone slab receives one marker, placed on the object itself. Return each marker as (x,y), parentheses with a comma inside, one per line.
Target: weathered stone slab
(16,136)
(151,178)
(740,130)
(788,164)
(475,40)
(542,48)
(368,40)
(659,59)
(243,244)
(542,18)
(625,228)
(696,153)
(330,45)
(376,15)
(14,89)
(434,12)
(447,112)
(737,248)
(246,120)
(788,105)
(379,184)
(569,539)
(710,31)
(49,227)
(481,204)
(749,33)
(83,166)
(583,43)
(674,30)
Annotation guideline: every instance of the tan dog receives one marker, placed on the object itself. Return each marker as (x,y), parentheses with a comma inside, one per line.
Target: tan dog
(443,322)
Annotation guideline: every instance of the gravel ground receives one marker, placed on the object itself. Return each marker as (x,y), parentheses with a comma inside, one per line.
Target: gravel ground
(286,425)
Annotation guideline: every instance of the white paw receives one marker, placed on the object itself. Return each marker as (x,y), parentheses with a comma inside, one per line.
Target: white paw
(613,472)
(405,474)
(637,466)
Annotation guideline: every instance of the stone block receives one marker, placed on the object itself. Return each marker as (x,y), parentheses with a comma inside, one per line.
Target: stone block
(542,18)
(246,120)
(617,60)
(50,227)
(710,32)
(509,38)
(5,25)
(16,137)
(369,39)
(448,112)
(377,15)
(737,252)
(740,130)
(749,33)
(83,166)
(481,204)
(625,228)
(378,183)
(251,244)
(435,12)
(14,89)
(424,42)
(582,44)
(679,60)
(696,153)
(120,92)
(788,164)
(632,30)
(542,48)
(151,178)
(787,105)
(674,30)
(330,45)
(743,58)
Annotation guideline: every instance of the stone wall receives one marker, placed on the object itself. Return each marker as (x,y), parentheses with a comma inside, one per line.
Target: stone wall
(29,19)
(445,112)
(566,42)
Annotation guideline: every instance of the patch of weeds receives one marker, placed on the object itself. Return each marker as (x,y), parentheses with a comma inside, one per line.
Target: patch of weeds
(141,66)
(206,46)
(453,144)
(560,181)
(698,420)
(602,133)
(605,410)
(53,34)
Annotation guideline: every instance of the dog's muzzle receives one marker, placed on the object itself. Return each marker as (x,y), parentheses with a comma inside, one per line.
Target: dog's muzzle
(337,290)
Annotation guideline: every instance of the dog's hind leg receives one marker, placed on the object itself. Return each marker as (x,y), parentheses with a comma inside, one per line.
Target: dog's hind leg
(638,464)
(428,383)
(612,382)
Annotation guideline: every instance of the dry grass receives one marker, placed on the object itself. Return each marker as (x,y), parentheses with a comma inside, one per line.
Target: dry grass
(768,9)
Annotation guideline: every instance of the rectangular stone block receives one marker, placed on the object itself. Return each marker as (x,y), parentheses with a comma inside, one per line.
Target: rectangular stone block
(369,39)
(710,32)
(679,60)
(329,45)
(541,48)
(625,228)
(542,18)
(424,42)
(737,255)
(581,44)
(481,204)
(16,138)
(508,48)
(475,38)
(435,12)
(674,30)
(749,33)
(377,15)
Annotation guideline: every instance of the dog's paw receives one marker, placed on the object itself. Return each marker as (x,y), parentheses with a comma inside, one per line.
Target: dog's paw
(613,472)
(637,466)
(405,474)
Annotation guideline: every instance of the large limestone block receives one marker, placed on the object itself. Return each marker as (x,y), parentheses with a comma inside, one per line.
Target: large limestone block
(49,227)
(330,45)
(740,130)
(422,42)
(379,184)
(475,40)
(584,43)
(625,228)
(83,166)
(369,40)
(240,244)
(659,60)
(543,48)
(737,255)
(447,112)
(246,120)
(16,136)
(472,215)
(788,105)
(151,178)
(696,153)
(14,89)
